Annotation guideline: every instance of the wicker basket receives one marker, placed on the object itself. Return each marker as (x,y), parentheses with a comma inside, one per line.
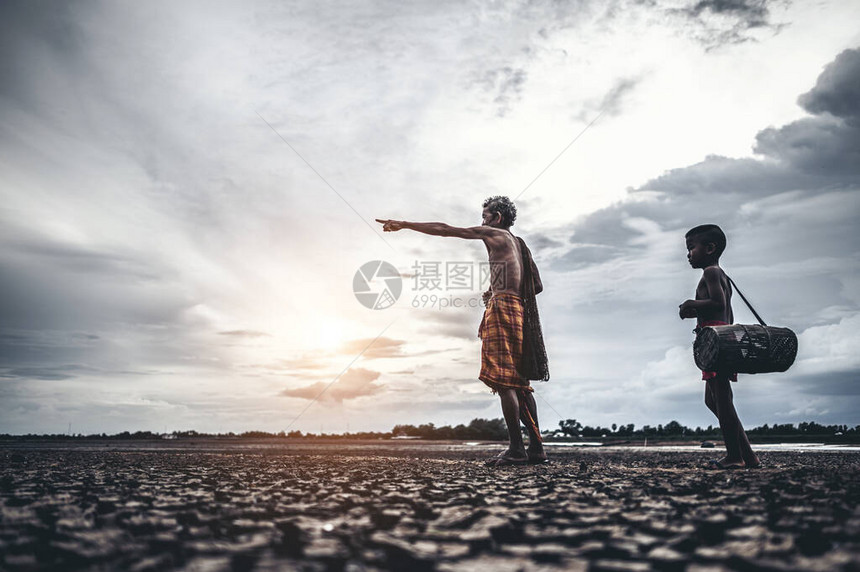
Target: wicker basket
(744,349)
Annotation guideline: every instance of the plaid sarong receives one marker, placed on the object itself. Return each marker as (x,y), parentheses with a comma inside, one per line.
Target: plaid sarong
(501,331)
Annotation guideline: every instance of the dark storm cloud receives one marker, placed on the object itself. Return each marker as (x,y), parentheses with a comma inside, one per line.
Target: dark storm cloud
(811,153)
(831,383)
(504,85)
(85,336)
(837,90)
(601,228)
(755,12)
(829,143)
(56,373)
(29,32)
(611,102)
(584,255)
(808,157)
(820,146)
(63,305)
(726,22)
(721,177)
(72,301)
(79,259)
(537,242)
(46,374)
(84,293)
(26,350)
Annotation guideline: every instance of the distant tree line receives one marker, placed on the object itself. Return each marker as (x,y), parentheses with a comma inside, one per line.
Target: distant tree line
(494,430)
(477,429)
(571,428)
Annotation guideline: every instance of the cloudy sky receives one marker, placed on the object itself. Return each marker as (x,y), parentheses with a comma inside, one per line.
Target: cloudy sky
(188,190)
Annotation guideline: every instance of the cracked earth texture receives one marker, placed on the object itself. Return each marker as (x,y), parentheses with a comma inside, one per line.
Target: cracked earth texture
(343,507)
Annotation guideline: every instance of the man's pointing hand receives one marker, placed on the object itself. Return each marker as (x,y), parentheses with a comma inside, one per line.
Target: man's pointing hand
(390,225)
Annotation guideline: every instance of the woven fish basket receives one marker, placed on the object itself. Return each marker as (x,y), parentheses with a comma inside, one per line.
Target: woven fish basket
(741,348)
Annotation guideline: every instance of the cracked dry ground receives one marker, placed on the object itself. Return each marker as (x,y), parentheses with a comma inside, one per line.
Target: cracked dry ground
(276,510)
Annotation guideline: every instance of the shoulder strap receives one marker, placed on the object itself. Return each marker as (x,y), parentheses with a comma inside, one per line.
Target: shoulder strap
(747,302)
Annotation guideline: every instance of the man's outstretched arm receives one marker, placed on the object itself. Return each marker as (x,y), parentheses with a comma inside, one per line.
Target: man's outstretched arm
(436,229)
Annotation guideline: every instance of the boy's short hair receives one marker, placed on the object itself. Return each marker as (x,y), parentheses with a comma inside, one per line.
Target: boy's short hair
(503,206)
(709,233)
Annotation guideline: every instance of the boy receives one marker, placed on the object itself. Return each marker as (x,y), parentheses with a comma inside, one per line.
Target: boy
(713,307)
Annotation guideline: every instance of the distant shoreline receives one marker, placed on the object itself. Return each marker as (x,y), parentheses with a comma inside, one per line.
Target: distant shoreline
(329,445)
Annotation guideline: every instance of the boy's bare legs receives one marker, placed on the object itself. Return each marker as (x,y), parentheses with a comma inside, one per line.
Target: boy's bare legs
(743,443)
(751,460)
(711,399)
(722,405)
(535,450)
(511,411)
(719,399)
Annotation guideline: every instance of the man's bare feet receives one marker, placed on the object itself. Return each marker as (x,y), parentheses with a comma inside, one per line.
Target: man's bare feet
(724,465)
(537,456)
(508,458)
(754,463)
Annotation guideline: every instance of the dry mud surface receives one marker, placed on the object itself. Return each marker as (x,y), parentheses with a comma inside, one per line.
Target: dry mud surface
(415,507)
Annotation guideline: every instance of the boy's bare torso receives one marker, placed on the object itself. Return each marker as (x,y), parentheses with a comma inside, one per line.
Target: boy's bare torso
(702,293)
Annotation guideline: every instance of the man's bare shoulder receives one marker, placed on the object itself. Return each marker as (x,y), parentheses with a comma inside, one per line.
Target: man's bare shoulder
(493,231)
(490,233)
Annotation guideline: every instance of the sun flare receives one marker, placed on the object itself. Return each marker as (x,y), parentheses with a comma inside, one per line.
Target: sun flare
(327,334)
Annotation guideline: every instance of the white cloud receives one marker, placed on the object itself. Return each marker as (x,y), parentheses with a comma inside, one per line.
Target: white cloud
(830,348)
